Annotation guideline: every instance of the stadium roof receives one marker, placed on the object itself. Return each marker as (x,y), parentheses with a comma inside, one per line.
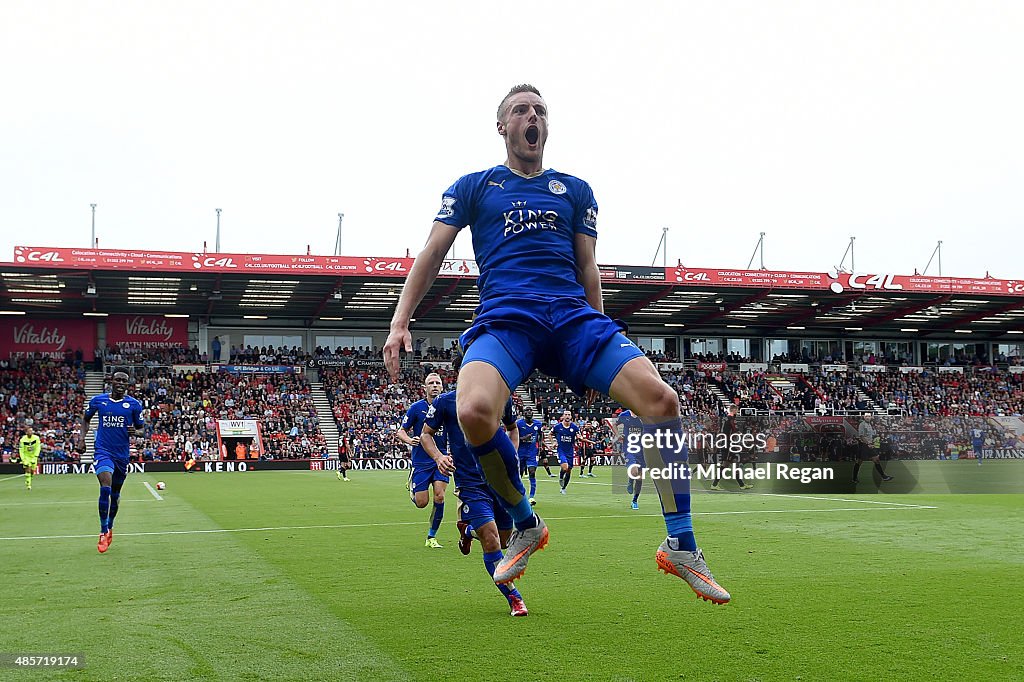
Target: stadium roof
(357,292)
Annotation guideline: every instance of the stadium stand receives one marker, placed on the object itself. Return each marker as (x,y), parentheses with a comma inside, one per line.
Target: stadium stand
(47,395)
(930,413)
(182,408)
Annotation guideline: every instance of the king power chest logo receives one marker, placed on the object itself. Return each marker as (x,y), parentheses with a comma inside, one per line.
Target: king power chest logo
(522,218)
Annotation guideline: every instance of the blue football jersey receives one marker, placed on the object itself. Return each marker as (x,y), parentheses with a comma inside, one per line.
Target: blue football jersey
(523,229)
(631,424)
(116,417)
(565,436)
(442,415)
(413,420)
(529,436)
(508,415)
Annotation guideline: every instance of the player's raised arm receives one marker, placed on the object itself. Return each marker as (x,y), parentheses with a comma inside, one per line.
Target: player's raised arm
(421,277)
(585,248)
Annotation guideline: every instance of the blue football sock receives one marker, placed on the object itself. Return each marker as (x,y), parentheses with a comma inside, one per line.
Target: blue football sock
(104,508)
(115,498)
(674,491)
(435,519)
(491,560)
(533,485)
(566,477)
(500,464)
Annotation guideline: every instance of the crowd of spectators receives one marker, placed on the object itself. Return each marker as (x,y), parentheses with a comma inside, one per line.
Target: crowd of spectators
(182,409)
(369,408)
(696,396)
(128,354)
(552,396)
(937,409)
(932,393)
(49,396)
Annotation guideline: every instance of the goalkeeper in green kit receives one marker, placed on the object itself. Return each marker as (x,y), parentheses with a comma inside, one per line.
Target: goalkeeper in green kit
(28,452)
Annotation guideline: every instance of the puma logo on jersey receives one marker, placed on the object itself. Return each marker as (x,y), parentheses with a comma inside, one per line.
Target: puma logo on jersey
(492,183)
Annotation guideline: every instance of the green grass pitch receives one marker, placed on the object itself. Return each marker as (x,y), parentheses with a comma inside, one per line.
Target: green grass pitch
(300,576)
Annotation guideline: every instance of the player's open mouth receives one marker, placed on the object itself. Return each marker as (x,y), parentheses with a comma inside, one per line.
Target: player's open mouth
(532,135)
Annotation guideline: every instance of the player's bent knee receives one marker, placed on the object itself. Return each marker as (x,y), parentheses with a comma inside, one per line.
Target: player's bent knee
(666,401)
(478,419)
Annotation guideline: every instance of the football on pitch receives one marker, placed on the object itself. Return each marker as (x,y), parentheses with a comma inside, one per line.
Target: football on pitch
(160,485)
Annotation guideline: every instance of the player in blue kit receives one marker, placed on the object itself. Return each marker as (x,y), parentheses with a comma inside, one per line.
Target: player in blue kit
(535,237)
(632,430)
(978,443)
(529,437)
(424,475)
(566,431)
(480,510)
(120,417)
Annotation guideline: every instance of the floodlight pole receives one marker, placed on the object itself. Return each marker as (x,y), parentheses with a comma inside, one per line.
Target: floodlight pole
(759,247)
(936,252)
(849,251)
(337,239)
(216,248)
(663,248)
(92,241)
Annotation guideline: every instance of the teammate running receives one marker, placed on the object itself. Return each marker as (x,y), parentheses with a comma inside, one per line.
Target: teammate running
(977,442)
(481,513)
(632,430)
(425,475)
(566,431)
(529,438)
(120,418)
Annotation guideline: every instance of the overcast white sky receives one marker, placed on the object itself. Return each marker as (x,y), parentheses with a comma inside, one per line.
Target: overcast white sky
(899,122)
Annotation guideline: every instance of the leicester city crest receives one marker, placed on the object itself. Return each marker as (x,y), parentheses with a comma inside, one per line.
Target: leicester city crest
(556,187)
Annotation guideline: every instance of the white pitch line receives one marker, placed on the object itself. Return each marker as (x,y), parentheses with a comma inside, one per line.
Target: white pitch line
(60,503)
(13,477)
(844,499)
(790,495)
(417,523)
(777,495)
(152,490)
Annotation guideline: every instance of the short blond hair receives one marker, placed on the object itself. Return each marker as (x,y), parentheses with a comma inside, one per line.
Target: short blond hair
(522,87)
